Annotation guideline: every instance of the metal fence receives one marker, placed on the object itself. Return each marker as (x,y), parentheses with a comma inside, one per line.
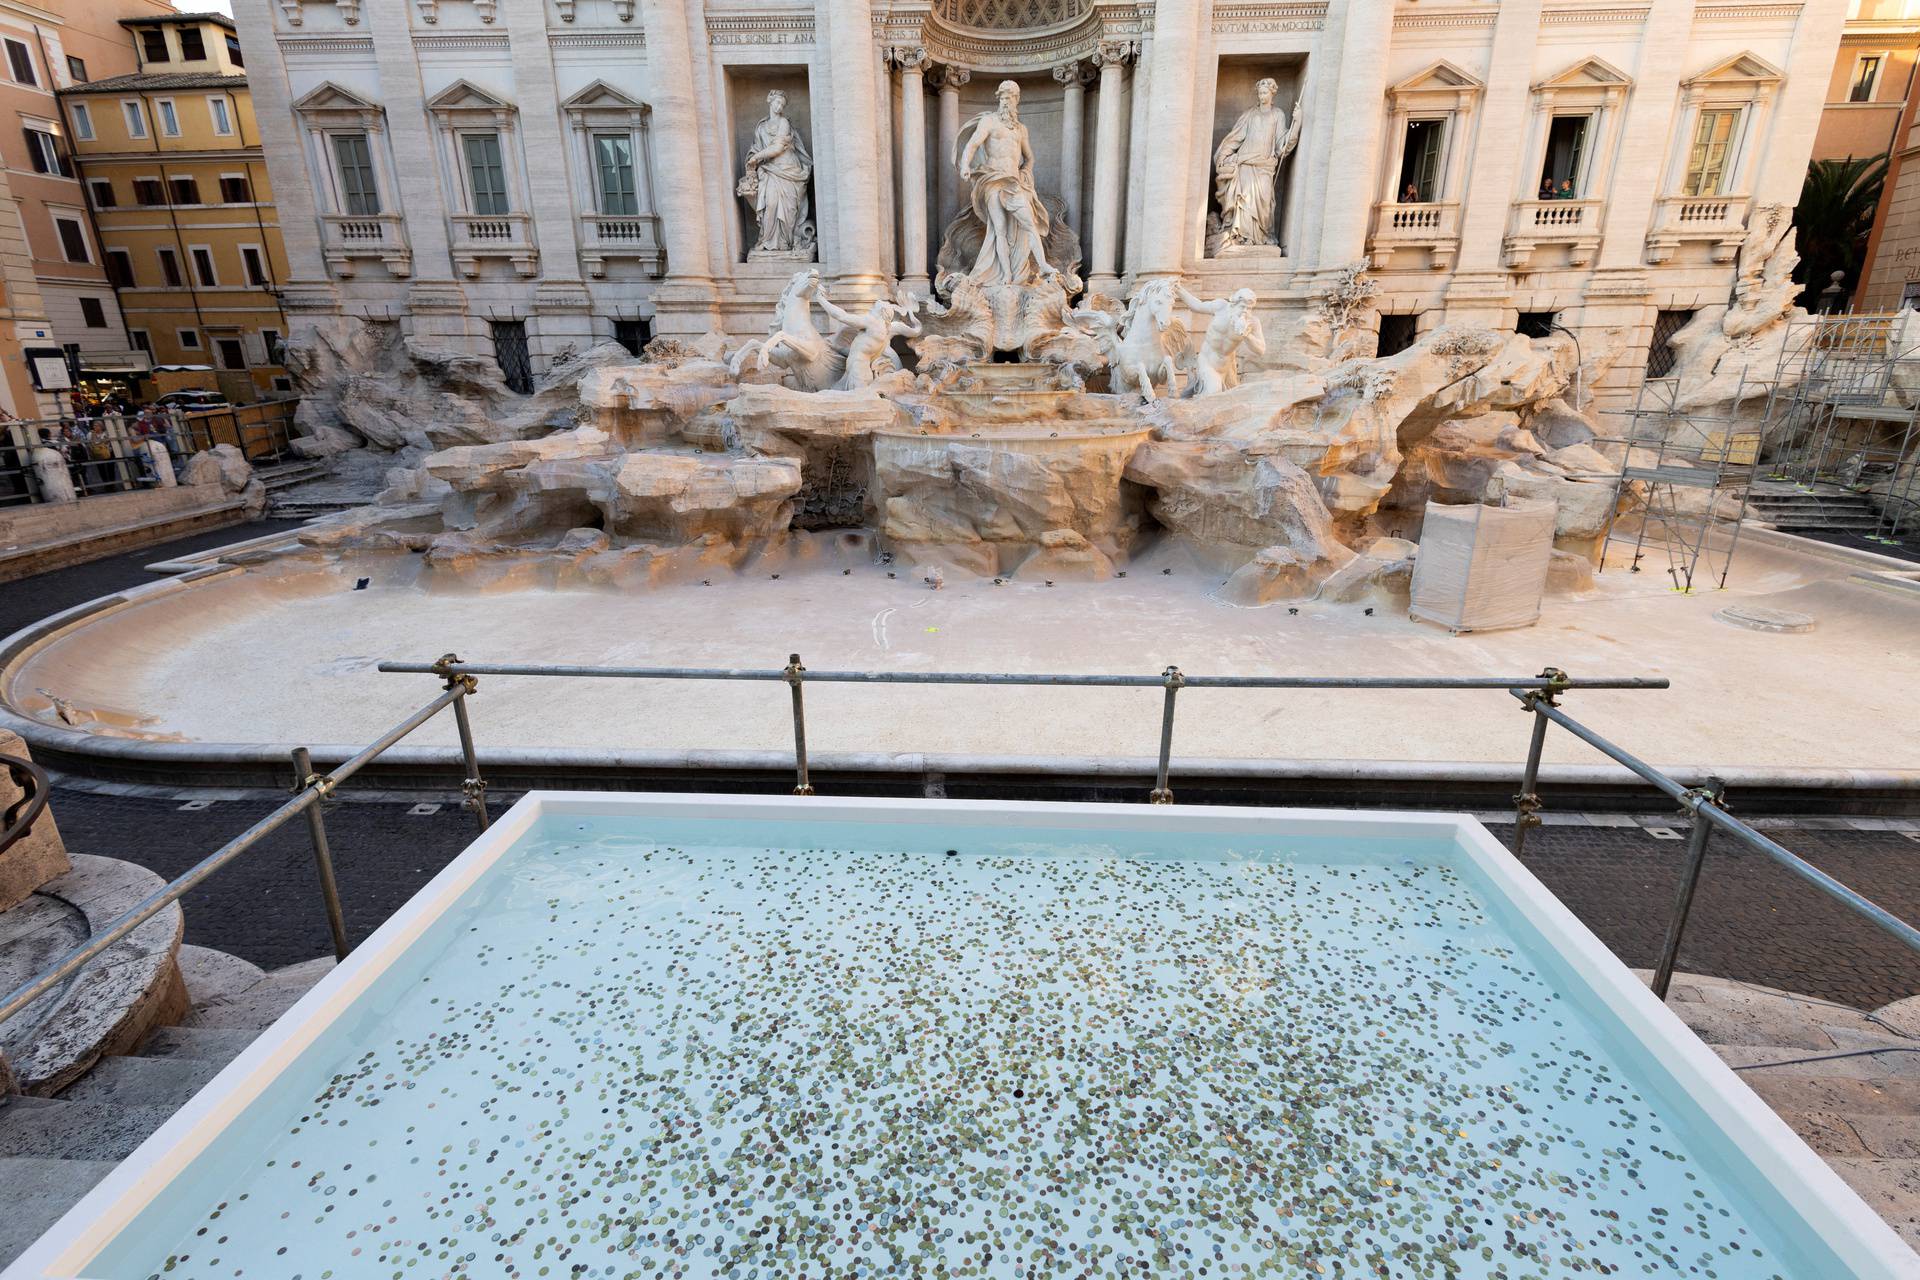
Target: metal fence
(1538,695)
(108,454)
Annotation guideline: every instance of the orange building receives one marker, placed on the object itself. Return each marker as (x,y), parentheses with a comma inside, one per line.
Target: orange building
(46,47)
(1871,76)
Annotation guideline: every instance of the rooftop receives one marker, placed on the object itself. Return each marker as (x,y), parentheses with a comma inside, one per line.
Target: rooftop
(160,80)
(180,20)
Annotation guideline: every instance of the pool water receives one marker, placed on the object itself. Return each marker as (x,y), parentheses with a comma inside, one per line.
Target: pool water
(672,1048)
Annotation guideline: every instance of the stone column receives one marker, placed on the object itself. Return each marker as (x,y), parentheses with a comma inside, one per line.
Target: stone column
(1111,58)
(1495,181)
(1072,141)
(1136,167)
(281,146)
(1163,182)
(855,255)
(912,64)
(949,80)
(416,153)
(1782,168)
(1353,150)
(684,300)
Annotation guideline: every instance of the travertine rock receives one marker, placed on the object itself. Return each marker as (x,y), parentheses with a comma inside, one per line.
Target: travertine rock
(648,403)
(223,465)
(1231,508)
(682,497)
(37,857)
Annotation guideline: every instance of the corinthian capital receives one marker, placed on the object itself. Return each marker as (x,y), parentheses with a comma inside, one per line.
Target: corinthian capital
(909,58)
(1067,73)
(950,77)
(1114,53)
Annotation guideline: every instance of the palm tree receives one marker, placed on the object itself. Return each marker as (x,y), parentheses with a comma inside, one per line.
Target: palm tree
(1833,218)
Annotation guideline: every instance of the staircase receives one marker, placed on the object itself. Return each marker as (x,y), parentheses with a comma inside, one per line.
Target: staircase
(53,1150)
(1822,508)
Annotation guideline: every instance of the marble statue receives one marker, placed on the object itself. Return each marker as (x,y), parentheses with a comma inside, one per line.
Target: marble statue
(50,469)
(998,162)
(793,345)
(1246,171)
(1232,324)
(1140,344)
(870,352)
(775,182)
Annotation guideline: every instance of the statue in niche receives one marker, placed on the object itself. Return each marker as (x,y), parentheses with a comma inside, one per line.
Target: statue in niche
(1216,366)
(1246,172)
(998,162)
(775,183)
(870,350)
(806,359)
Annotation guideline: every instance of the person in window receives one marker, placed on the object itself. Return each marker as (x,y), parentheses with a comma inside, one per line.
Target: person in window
(1546,188)
(1411,195)
(1565,190)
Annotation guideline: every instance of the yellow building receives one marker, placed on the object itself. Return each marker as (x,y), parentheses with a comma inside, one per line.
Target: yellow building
(171,161)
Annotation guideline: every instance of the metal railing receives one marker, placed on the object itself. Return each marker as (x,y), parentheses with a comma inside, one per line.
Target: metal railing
(17,822)
(107,455)
(1537,694)
(310,789)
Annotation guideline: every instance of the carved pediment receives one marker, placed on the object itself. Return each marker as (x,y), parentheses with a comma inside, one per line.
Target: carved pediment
(1441,77)
(1740,71)
(601,96)
(1588,73)
(332,97)
(465,95)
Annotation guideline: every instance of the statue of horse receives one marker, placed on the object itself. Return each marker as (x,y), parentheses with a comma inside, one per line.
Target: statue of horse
(807,361)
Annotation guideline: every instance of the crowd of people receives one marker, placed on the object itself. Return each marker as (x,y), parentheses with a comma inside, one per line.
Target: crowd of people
(105,443)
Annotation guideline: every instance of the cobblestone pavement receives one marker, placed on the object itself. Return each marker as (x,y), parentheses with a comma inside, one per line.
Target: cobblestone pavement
(27,600)
(1751,920)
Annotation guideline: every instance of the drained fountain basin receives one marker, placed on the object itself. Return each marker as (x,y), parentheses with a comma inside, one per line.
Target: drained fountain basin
(691,1037)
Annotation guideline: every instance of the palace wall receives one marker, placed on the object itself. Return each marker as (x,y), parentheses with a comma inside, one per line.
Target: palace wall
(369,109)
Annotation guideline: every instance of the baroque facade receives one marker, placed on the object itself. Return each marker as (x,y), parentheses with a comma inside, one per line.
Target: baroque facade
(526,177)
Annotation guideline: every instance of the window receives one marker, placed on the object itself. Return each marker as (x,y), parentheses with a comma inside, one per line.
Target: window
(1397,333)
(203,267)
(255,265)
(633,335)
(136,119)
(193,45)
(93,313)
(189,339)
(120,269)
(613,158)
(149,192)
(1866,77)
(233,52)
(153,44)
(76,69)
(1536,324)
(234,189)
(1420,159)
(101,189)
(222,118)
(1660,352)
(170,268)
(353,163)
(73,240)
(1562,176)
(82,122)
(510,350)
(1708,161)
(232,353)
(184,190)
(20,63)
(169,118)
(486,172)
(45,153)
(142,340)
(271,340)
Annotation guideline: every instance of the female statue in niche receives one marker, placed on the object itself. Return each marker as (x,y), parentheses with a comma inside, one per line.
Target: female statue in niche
(778,167)
(1246,171)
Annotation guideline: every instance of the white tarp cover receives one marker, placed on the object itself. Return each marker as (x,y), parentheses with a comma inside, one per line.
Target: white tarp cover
(1481,568)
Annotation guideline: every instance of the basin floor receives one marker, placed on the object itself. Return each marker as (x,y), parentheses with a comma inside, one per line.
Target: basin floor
(281,655)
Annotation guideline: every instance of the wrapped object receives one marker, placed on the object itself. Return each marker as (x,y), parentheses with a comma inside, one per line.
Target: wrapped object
(1483,568)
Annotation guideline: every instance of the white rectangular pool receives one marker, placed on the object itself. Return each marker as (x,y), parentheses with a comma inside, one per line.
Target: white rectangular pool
(698,1036)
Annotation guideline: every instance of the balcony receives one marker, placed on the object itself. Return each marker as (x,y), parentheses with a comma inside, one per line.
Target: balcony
(493,235)
(634,236)
(1574,224)
(1408,228)
(1720,222)
(349,237)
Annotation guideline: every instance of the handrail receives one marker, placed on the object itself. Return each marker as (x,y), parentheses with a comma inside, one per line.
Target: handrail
(20,816)
(309,790)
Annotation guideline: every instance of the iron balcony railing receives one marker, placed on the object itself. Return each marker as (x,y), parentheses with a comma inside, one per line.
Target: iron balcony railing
(1538,694)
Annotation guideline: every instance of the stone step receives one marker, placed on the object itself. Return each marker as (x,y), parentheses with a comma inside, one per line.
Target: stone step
(38,1192)
(54,1128)
(211,974)
(1891,1189)
(143,1082)
(200,1044)
(261,1004)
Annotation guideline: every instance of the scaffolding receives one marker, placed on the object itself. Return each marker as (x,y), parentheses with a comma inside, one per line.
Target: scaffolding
(1684,484)
(1847,417)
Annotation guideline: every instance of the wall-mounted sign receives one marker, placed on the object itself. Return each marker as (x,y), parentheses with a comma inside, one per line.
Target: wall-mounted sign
(50,368)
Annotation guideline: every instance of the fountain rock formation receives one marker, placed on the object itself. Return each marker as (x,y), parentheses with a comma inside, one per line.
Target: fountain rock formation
(712,456)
